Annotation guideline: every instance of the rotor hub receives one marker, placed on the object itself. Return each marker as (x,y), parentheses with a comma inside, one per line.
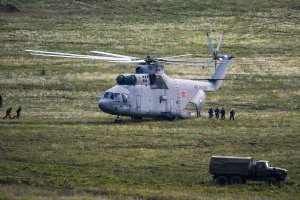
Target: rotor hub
(149,68)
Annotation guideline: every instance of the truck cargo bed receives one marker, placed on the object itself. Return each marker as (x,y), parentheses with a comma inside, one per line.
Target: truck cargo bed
(230,165)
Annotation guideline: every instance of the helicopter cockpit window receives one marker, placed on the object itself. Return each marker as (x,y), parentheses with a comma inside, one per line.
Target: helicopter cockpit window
(117,97)
(107,95)
(114,96)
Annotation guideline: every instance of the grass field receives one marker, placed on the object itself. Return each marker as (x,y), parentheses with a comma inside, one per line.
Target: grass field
(64,147)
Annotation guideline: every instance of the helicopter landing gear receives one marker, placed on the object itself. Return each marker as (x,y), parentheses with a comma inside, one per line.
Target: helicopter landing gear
(135,118)
(118,120)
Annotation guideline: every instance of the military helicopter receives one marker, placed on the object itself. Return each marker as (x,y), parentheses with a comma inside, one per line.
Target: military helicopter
(150,93)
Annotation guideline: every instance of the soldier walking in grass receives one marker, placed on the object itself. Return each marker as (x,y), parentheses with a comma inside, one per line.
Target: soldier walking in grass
(18,111)
(217,112)
(223,113)
(210,113)
(1,103)
(232,113)
(8,111)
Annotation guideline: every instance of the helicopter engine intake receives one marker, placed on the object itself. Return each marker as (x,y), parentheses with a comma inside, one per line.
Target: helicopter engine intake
(126,80)
(137,79)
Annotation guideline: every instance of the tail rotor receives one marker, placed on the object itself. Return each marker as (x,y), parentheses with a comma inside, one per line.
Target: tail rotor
(215,51)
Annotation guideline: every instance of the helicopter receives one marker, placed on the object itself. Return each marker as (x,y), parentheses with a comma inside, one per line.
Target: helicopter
(149,92)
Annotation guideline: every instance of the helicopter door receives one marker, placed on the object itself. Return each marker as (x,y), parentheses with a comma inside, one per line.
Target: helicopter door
(163,103)
(172,105)
(138,103)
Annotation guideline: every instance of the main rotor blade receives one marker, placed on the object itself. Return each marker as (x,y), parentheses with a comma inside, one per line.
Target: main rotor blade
(220,40)
(208,63)
(69,55)
(209,79)
(210,44)
(127,61)
(80,57)
(180,61)
(51,52)
(115,55)
(205,64)
(184,55)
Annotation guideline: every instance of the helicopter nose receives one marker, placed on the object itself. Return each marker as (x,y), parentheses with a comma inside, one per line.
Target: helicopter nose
(104,105)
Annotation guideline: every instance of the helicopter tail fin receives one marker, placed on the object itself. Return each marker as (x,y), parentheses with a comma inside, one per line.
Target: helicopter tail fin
(220,72)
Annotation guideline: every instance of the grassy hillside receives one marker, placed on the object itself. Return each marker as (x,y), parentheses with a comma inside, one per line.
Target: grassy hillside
(64,147)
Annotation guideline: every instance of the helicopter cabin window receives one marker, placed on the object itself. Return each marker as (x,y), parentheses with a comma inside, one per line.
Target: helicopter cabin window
(157,82)
(124,98)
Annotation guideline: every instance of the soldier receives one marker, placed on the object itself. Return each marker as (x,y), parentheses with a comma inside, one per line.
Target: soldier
(210,112)
(18,111)
(8,111)
(43,72)
(217,112)
(223,113)
(232,113)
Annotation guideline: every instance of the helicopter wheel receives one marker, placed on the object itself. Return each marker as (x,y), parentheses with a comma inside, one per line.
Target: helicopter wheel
(173,118)
(118,121)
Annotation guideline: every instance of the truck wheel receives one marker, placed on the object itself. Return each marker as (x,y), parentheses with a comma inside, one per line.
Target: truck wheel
(236,180)
(222,180)
(271,181)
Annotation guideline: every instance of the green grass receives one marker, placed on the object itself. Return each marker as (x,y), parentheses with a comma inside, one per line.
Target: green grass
(64,147)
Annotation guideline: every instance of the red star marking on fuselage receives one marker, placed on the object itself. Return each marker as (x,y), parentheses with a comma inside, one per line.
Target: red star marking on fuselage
(183,93)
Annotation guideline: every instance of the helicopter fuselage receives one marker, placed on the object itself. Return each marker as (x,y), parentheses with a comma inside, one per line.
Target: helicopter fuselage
(151,93)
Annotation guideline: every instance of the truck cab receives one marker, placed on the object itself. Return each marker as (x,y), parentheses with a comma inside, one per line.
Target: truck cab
(264,171)
(261,168)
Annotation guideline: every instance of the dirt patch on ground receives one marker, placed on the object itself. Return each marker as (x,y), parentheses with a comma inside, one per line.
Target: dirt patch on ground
(8,8)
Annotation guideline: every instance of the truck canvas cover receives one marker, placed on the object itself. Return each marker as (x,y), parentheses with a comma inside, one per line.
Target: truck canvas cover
(230,165)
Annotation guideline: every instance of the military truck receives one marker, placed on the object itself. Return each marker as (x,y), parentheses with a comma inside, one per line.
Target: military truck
(237,170)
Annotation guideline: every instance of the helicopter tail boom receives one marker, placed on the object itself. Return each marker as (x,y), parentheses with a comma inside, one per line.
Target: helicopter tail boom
(220,72)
